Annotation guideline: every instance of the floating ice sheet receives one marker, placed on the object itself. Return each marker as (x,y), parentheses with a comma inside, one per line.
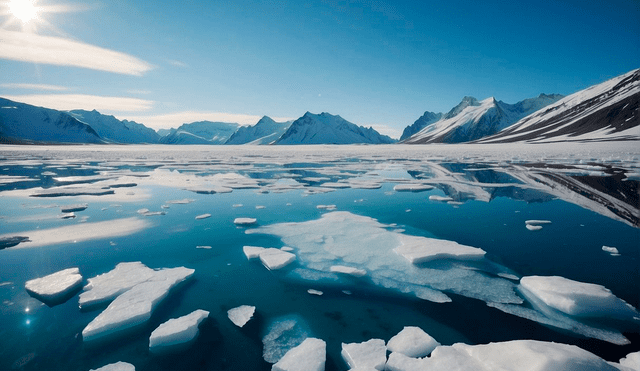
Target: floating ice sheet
(413,342)
(241,315)
(118,366)
(54,288)
(368,355)
(177,331)
(310,355)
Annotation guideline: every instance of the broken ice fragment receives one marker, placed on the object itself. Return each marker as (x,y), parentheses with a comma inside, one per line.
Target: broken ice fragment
(422,249)
(11,241)
(356,272)
(367,355)
(244,221)
(177,331)
(203,216)
(310,355)
(440,198)
(241,315)
(315,292)
(273,258)
(611,250)
(576,298)
(534,225)
(412,187)
(118,366)
(105,287)
(56,287)
(413,342)
(73,208)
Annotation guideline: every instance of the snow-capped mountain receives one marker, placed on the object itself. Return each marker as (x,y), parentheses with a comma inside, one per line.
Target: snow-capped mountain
(202,132)
(427,119)
(24,123)
(266,131)
(329,129)
(472,119)
(116,131)
(603,112)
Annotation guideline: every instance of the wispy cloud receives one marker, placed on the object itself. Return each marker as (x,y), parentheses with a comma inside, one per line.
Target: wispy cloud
(173,120)
(30,47)
(177,63)
(35,87)
(67,102)
(138,92)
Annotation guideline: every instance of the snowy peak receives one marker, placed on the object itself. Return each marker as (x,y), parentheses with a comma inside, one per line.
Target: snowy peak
(427,118)
(325,128)
(606,111)
(24,123)
(266,131)
(201,132)
(116,131)
(472,119)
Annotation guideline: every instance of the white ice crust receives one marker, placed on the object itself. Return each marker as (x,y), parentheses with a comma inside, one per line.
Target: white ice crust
(118,366)
(177,330)
(576,298)
(308,356)
(271,257)
(135,306)
(241,315)
(105,287)
(368,355)
(244,221)
(352,271)
(632,361)
(422,249)
(413,342)
(55,285)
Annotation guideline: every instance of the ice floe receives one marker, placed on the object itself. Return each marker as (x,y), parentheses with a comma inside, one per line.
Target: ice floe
(81,232)
(177,331)
(56,287)
(118,366)
(611,250)
(422,249)
(412,187)
(183,201)
(632,361)
(310,355)
(536,225)
(73,208)
(440,198)
(352,271)
(326,207)
(203,216)
(206,247)
(107,286)
(343,238)
(315,292)
(413,342)
(368,355)
(244,221)
(576,298)
(10,241)
(135,306)
(271,257)
(71,191)
(241,315)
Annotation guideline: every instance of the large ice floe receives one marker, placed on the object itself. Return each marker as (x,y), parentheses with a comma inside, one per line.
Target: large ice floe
(137,290)
(176,331)
(429,268)
(412,342)
(241,315)
(368,355)
(310,355)
(56,287)
(118,366)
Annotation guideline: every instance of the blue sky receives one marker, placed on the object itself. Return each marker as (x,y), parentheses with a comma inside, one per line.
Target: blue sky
(375,63)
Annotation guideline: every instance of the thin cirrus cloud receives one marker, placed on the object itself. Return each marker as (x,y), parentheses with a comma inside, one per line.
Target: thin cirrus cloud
(41,87)
(30,47)
(66,102)
(174,120)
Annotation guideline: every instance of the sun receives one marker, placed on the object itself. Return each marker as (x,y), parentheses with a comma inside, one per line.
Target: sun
(24,10)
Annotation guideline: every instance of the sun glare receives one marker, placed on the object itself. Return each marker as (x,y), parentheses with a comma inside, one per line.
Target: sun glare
(24,10)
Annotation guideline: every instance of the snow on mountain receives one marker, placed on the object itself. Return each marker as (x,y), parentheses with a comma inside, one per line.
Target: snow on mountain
(114,130)
(24,123)
(165,132)
(427,119)
(329,129)
(603,112)
(202,132)
(472,119)
(266,131)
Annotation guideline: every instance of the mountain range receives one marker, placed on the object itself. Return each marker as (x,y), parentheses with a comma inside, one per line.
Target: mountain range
(603,112)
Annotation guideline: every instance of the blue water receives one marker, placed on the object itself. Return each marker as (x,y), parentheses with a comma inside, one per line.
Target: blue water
(48,338)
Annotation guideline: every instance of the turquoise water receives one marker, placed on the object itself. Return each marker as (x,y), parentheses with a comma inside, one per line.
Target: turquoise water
(34,336)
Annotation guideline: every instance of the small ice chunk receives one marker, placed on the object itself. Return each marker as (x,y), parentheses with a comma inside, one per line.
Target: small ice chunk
(287,248)
(315,292)
(203,216)
(237,205)
(203,247)
(308,356)
(181,202)
(73,208)
(118,366)
(356,272)
(326,207)
(56,286)
(532,227)
(576,298)
(241,315)
(537,222)
(260,207)
(367,355)
(413,342)
(422,249)
(273,258)
(440,198)
(632,360)
(147,212)
(68,216)
(611,250)
(134,307)
(177,330)
(244,221)
(411,187)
